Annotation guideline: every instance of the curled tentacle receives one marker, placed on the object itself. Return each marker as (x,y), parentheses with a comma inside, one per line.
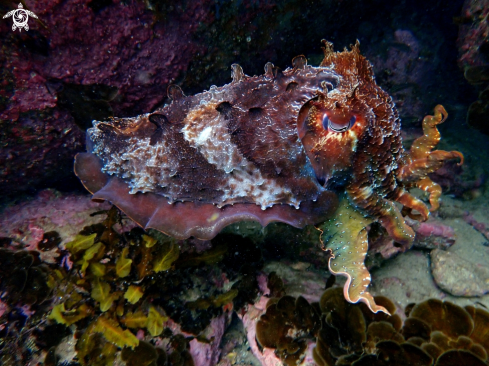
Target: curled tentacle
(412,203)
(434,191)
(392,220)
(423,145)
(421,160)
(420,168)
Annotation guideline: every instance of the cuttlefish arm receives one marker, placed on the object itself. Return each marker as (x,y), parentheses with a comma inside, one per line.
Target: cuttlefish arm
(422,160)
(345,238)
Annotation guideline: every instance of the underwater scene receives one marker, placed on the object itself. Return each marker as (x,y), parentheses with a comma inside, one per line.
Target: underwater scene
(244,182)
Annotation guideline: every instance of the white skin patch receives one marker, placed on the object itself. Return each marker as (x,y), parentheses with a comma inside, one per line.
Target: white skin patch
(147,168)
(206,130)
(138,164)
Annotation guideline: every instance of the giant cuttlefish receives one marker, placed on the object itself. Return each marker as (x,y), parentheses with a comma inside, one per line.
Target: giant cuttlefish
(306,145)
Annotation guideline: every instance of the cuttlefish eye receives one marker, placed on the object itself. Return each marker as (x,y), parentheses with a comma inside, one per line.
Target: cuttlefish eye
(338,126)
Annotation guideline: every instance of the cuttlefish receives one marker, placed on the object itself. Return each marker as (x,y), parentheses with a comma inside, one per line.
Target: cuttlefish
(304,146)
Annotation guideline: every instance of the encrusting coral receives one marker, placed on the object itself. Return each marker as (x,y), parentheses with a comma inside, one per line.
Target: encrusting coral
(434,333)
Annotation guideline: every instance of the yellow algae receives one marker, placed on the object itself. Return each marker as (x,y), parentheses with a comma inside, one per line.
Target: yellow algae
(166,257)
(68,317)
(133,294)
(119,310)
(81,242)
(107,355)
(155,322)
(143,268)
(97,269)
(123,264)
(202,304)
(101,293)
(97,249)
(136,320)
(86,343)
(149,241)
(212,256)
(225,298)
(113,333)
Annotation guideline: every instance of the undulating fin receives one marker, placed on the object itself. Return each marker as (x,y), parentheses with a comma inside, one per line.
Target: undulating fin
(185,219)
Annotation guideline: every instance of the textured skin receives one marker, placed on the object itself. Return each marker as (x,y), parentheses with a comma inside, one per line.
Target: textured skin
(378,170)
(233,144)
(276,147)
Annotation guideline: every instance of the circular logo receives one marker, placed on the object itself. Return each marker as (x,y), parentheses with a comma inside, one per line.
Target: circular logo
(20,17)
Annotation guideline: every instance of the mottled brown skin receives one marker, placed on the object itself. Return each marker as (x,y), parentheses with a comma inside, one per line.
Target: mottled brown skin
(225,155)
(369,153)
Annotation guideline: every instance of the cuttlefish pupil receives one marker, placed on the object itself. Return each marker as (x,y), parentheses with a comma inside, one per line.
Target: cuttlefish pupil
(338,123)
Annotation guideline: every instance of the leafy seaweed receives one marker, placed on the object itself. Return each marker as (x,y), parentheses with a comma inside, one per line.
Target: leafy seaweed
(113,333)
(155,322)
(168,254)
(81,242)
(133,294)
(123,264)
(101,293)
(69,317)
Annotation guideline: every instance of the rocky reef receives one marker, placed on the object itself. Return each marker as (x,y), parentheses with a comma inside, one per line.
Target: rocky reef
(82,284)
(100,291)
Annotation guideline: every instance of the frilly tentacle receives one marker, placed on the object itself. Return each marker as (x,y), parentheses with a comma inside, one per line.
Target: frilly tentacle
(423,145)
(346,237)
(422,161)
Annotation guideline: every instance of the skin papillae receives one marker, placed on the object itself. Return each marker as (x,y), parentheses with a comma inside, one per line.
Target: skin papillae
(370,153)
(304,146)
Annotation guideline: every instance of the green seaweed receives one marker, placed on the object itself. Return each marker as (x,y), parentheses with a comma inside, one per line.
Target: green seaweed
(133,294)
(101,293)
(136,320)
(155,322)
(68,317)
(123,264)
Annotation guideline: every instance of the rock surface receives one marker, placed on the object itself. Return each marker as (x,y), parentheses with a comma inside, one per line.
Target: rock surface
(457,275)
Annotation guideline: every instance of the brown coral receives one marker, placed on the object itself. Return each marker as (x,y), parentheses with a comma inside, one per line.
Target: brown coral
(435,333)
(287,326)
